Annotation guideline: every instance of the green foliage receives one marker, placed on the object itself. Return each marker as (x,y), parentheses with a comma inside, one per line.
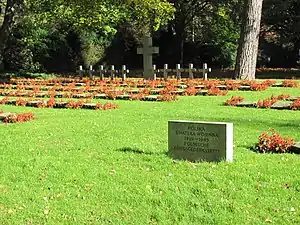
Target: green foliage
(151,14)
(104,15)
(18,57)
(93,47)
(24,74)
(224,34)
(47,31)
(33,44)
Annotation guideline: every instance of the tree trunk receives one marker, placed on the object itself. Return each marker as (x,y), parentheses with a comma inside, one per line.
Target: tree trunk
(245,66)
(181,51)
(10,9)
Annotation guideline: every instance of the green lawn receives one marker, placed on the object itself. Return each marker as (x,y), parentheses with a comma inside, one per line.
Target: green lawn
(111,167)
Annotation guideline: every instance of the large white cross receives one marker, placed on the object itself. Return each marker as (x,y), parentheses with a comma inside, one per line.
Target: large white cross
(147,51)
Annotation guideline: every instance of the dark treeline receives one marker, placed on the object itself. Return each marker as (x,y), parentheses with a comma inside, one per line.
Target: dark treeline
(43,38)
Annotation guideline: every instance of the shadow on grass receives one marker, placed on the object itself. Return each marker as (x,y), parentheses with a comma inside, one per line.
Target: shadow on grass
(140,151)
(257,121)
(248,147)
(292,150)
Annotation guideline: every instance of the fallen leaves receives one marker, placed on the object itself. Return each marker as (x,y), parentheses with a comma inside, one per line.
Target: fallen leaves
(112,172)
(268,220)
(10,211)
(46,210)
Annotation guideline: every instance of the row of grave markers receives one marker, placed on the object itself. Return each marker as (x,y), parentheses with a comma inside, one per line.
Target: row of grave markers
(150,70)
(113,73)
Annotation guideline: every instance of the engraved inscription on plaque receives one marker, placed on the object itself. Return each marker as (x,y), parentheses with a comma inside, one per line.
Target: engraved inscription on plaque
(200,141)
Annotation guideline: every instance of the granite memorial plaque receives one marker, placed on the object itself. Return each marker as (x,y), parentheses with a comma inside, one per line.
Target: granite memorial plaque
(200,141)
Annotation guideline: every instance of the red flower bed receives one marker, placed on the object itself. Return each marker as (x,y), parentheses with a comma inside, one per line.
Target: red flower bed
(52,103)
(20,102)
(216,92)
(273,143)
(234,101)
(168,89)
(139,96)
(167,97)
(283,96)
(106,106)
(4,100)
(90,88)
(145,91)
(208,84)
(254,86)
(232,85)
(296,105)
(266,103)
(74,104)
(290,83)
(269,82)
(18,118)
(190,91)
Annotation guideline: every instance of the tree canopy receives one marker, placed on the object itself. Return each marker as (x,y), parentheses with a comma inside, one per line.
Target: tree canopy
(37,34)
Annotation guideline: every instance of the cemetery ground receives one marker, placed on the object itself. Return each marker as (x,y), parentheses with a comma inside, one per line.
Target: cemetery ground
(111,167)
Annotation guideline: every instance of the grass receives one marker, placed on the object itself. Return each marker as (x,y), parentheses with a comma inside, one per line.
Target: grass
(111,167)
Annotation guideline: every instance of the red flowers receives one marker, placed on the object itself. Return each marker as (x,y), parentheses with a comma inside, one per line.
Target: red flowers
(296,105)
(18,118)
(216,92)
(274,143)
(190,91)
(267,103)
(290,83)
(106,106)
(254,86)
(51,103)
(234,101)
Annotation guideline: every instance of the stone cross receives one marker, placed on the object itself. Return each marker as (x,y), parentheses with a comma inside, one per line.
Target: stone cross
(147,51)
(166,71)
(80,71)
(112,72)
(191,71)
(178,71)
(154,71)
(205,70)
(101,72)
(91,71)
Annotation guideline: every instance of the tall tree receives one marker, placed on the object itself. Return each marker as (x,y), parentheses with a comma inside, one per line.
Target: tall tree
(248,44)
(11,8)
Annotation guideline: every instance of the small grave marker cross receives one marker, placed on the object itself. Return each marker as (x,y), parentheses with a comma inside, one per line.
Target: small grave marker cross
(91,71)
(101,72)
(80,71)
(205,70)
(191,71)
(166,71)
(147,51)
(178,71)
(124,72)
(112,72)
